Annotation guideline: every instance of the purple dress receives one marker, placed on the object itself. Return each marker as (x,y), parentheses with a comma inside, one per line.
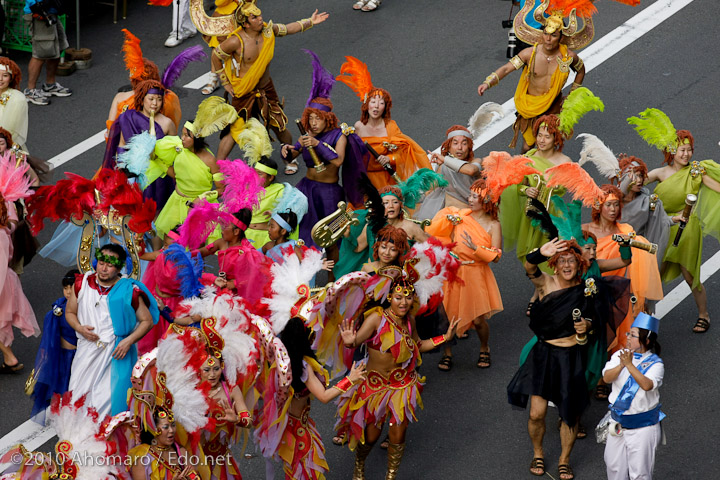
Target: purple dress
(324,197)
(129,124)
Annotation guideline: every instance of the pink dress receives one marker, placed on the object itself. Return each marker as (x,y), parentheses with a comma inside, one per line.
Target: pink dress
(15,310)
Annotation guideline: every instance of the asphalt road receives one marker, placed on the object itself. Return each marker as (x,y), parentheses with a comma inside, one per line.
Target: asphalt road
(431,56)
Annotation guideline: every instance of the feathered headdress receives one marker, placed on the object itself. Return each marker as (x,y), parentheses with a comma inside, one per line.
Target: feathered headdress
(136,157)
(178,64)
(133,55)
(14,185)
(569,220)
(434,265)
(213,114)
(254,141)
(487,114)
(203,218)
(322,79)
(292,200)
(290,290)
(243,186)
(189,269)
(577,181)
(576,105)
(500,170)
(355,74)
(656,129)
(597,153)
(419,183)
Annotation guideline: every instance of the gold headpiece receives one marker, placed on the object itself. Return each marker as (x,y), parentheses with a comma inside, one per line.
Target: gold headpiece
(245,10)
(554,22)
(574,37)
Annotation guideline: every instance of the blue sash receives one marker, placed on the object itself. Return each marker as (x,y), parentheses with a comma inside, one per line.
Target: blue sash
(124,322)
(625,398)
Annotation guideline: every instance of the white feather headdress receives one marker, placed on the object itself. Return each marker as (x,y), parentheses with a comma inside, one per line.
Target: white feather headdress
(597,153)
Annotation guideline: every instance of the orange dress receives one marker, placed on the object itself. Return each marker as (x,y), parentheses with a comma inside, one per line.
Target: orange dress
(171,108)
(477,293)
(644,278)
(406,156)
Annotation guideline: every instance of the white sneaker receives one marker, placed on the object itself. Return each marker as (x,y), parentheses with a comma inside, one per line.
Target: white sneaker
(174,39)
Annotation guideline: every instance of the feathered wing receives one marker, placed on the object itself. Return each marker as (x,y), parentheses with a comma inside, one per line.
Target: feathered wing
(355,75)
(500,170)
(418,184)
(576,105)
(292,200)
(576,180)
(597,153)
(541,218)
(136,158)
(322,79)
(14,185)
(374,204)
(656,129)
(254,141)
(434,265)
(214,114)
(243,187)
(487,114)
(178,64)
(133,55)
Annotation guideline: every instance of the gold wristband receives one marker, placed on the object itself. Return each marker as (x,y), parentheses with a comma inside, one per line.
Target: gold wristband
(282,29)
(302,24)
(575,86)
(223,78)
(579,64)
(489,79)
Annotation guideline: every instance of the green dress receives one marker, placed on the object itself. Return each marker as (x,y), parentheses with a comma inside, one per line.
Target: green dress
(517,229)
(192,178)
(704,220)
(349,260)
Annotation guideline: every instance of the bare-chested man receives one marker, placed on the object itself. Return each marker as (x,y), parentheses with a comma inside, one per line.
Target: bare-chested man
(547,66)
(554,369)
(241,62)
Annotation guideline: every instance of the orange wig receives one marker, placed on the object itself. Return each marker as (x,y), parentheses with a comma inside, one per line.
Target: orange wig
(378,92)
(445,147)
(552,123)
(15,73)
(331,120)
(142,90)
(609,190)
(488,206)
(684,138)
(7,136)
(629,163)
(394,235)
(575,251)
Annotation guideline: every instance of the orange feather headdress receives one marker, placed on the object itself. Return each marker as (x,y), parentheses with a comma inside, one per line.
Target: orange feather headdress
(501,170)
(133,55)
(355,75)
(577,181)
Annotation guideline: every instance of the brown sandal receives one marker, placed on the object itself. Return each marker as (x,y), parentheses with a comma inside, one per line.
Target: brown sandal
(702,325)
(537,462)
(564,469)
(484,360)
(602,392)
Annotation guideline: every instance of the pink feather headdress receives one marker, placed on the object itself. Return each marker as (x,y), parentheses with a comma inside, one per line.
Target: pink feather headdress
(202,219)
(243,186)
(14,185)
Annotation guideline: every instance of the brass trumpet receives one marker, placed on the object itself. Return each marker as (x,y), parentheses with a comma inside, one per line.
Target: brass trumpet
(577,317)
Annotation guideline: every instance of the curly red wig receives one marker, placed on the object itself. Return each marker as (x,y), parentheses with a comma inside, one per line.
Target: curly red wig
(331,120)
(684,138)
(15,73)
(394,191)
(445,147)
(576,252)
(587,234)
(626,164)
(551,122)
(609,190)
(488,206)
(142,89)
(150,72)
(377,92)
(394,235)
(7,136)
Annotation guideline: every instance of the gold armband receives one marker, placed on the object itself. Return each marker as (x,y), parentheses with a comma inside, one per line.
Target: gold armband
(489,79)
(221,54)
(224,80)
(282,29)
(575,86)
(302,24)
(517,62)
(578,65)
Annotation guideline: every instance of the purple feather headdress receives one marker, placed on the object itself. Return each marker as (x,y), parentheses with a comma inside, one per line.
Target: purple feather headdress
(177,65)
(201,221)
(243,186)
(322,80)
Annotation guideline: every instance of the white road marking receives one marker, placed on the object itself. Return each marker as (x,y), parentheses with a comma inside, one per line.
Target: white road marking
(199,82)
(33,436)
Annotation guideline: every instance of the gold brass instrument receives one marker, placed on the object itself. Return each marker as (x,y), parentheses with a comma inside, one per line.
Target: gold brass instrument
(319,166)
(648,247)
(330,229)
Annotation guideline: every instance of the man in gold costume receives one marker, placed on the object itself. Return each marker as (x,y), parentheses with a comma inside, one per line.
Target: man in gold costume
(546,67)
(241,62)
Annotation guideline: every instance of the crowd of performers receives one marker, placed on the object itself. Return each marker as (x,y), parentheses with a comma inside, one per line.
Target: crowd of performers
(150,357)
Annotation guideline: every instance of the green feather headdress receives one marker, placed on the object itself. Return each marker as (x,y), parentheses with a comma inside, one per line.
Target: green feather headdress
(568,222)
(418,184)
(656,129)
(576,105)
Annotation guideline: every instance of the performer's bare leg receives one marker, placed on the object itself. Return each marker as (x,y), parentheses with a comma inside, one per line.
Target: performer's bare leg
(700,296)
(8,356)
(536,424)
(483,330)
(568,435)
